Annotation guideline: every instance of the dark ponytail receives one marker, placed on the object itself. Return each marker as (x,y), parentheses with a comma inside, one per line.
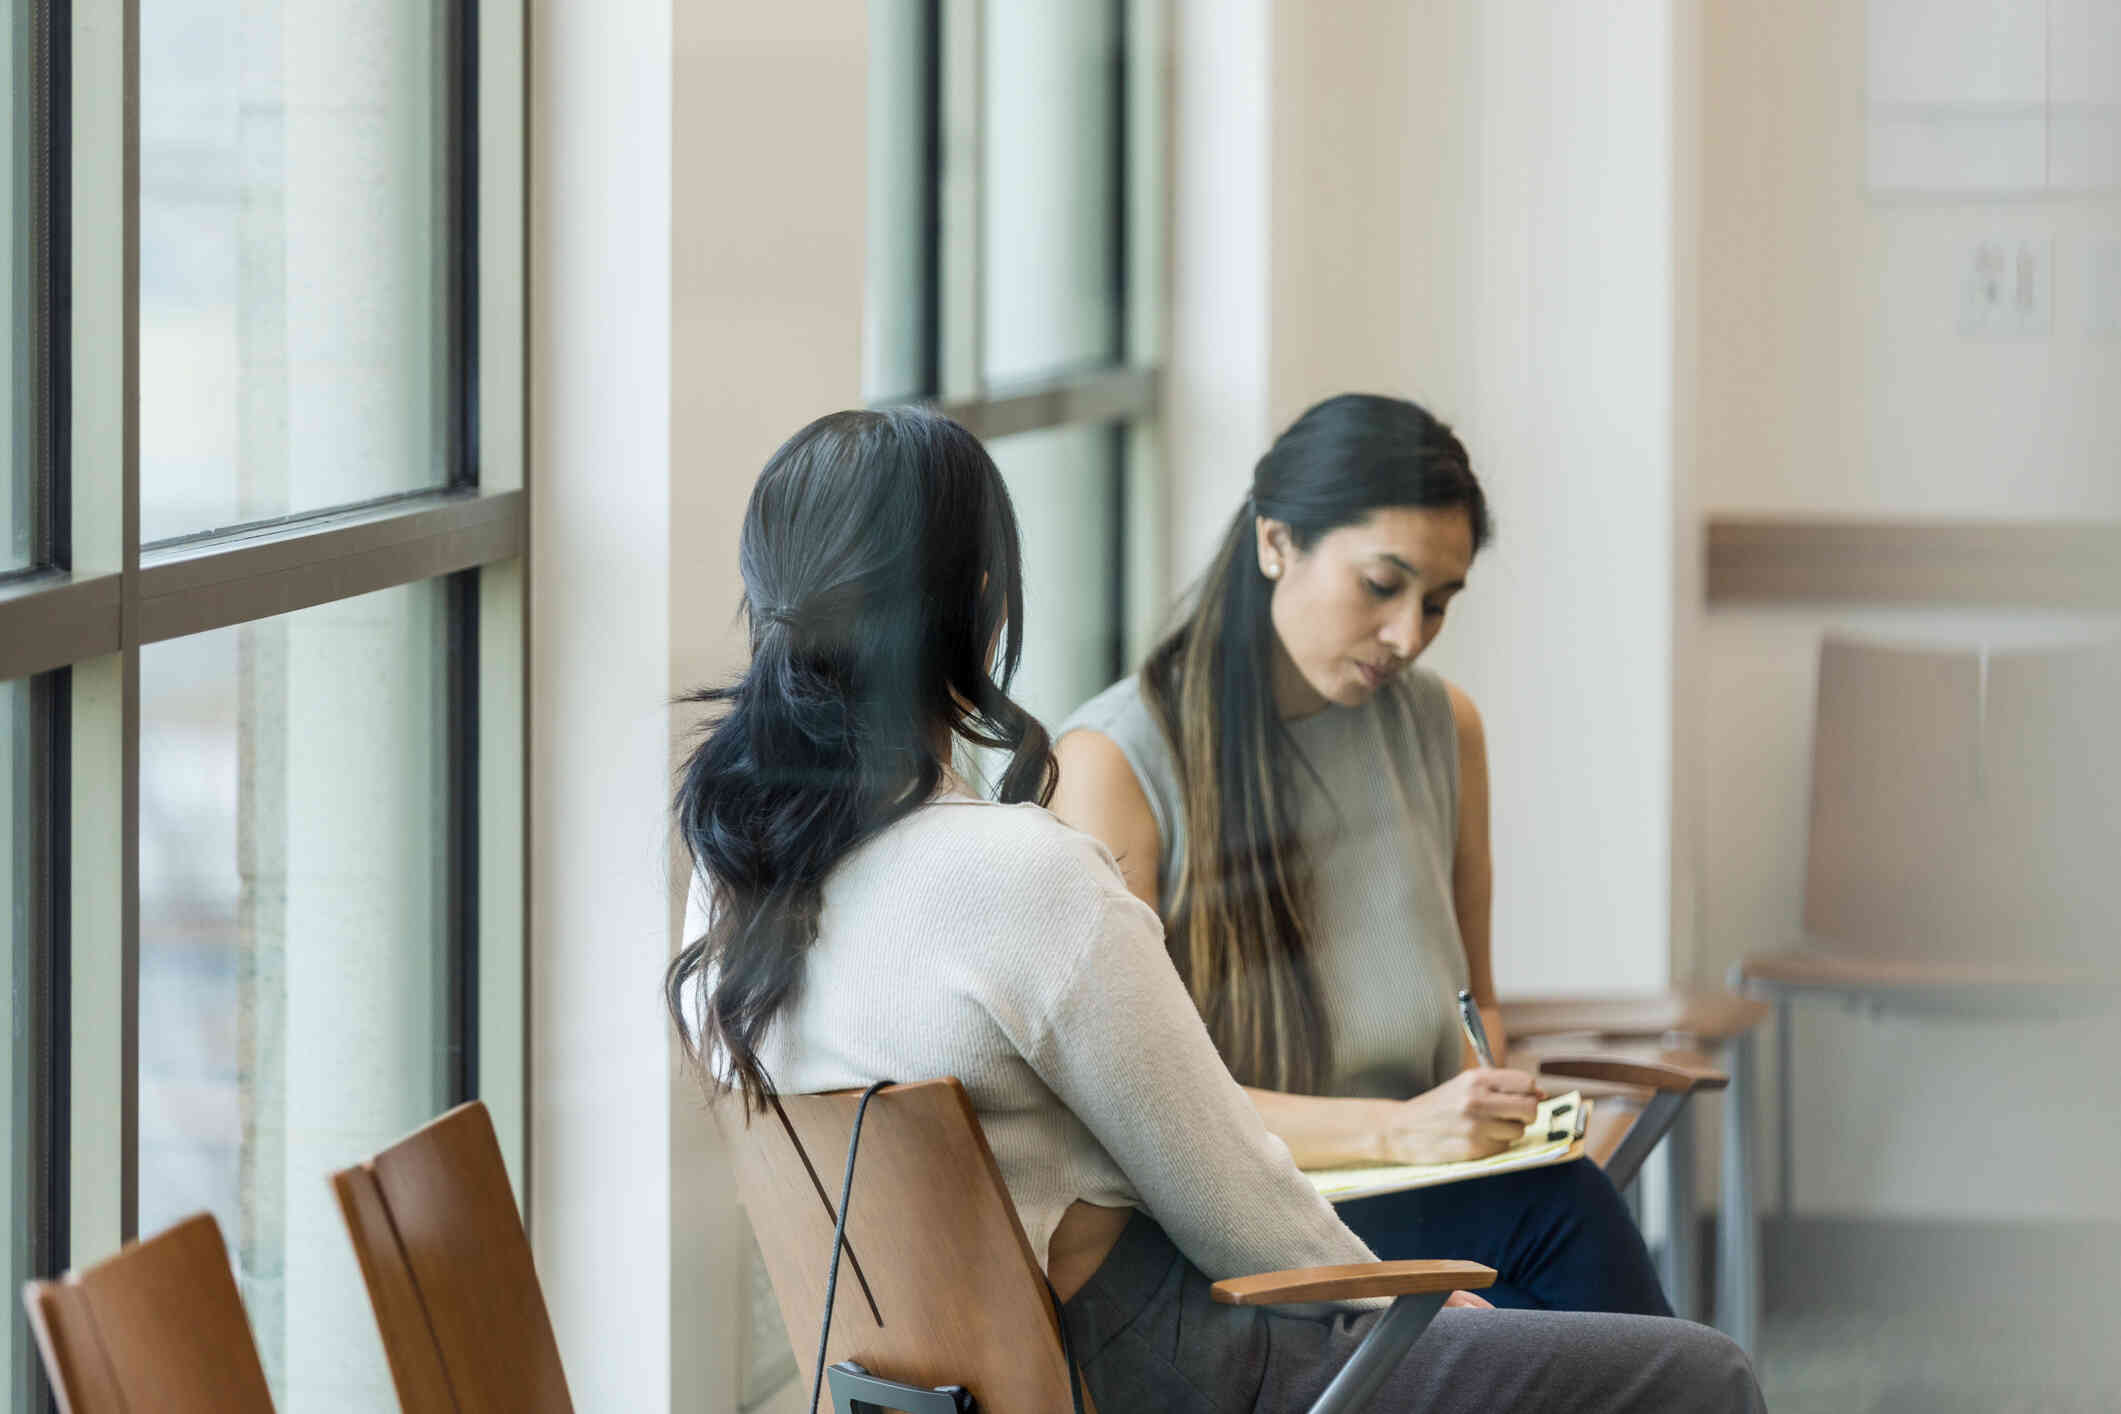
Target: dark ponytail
(881,565)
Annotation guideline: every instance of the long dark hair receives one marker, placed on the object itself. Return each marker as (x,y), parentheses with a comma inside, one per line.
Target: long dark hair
(1237,917)
(881,567)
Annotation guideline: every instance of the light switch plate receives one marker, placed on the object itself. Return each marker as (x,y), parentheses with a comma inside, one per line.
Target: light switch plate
(2007,288)
(2103,310)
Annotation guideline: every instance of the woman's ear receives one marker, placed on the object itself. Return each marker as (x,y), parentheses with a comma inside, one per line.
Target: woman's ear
(1276,546)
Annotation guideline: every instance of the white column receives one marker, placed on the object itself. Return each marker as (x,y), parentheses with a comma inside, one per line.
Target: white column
(1215,426)
(600,457)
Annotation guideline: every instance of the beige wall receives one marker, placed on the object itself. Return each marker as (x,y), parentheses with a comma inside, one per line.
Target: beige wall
(1473,204)
(1628,250)
(766,243)
(1834,379)
(1834,376)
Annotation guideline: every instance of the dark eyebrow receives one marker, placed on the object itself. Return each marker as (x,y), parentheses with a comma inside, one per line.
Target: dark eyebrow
(1414,574)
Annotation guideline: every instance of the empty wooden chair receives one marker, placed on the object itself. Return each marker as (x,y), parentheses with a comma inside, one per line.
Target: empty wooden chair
(939,1287)
(1716,1032)
(449,1272)
(159,1326)
(1961,851)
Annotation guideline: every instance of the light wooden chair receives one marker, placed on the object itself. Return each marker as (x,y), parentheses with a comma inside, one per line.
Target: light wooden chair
(449,1273)
(1696,1042)
(158,1326)
(939,1290)
(1962,845)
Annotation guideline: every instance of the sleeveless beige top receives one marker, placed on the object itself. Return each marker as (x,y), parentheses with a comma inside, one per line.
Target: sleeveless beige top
(1377,815)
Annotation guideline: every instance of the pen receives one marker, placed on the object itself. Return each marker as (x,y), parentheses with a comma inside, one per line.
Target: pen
(1469,1018)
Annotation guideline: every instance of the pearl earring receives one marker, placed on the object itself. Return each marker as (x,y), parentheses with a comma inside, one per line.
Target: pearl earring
(1274,570)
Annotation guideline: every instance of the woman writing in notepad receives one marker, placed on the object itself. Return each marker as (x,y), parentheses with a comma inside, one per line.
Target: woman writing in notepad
(1308,811)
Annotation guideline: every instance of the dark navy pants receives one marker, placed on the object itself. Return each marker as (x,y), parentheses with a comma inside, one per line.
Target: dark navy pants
(1559,1238)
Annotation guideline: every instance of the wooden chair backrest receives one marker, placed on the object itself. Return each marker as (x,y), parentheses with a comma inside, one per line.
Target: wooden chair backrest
(2049,869)
(938,1285)
(1961,804)
(1896,784)
(158,1326)
(449,1273)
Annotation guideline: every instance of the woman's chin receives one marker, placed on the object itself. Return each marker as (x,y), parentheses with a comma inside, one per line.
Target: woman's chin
(1355,692)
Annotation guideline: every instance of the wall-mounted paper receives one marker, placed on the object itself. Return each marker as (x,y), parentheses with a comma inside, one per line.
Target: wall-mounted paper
(2084,52)
(1995,96)
(1957,51)
(1931,151)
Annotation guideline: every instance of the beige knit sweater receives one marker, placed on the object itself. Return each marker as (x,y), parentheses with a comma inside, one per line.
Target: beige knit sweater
(995,944)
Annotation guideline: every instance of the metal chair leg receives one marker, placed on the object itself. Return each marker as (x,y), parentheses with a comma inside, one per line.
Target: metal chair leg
(1682,1259)
(1380,1353)
(1738,1254)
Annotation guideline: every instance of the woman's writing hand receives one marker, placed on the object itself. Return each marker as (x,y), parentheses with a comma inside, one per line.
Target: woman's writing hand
(1476,1113)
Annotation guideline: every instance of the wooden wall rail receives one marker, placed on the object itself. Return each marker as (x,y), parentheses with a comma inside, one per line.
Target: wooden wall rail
(2005,564)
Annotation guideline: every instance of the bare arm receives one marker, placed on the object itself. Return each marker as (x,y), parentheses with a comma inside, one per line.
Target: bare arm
(1098,794)
(1472,868)
(1477,1114)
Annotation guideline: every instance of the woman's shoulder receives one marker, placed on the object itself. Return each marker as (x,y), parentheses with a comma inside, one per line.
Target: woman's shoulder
(1030,895)
(1120,712)
(1015,849)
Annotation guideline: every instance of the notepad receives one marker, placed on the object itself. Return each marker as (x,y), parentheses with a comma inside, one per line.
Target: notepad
(1555,1136)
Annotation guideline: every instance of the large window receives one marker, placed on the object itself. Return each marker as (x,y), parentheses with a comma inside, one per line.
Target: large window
(261,596)
(295,292)
(298,1006)
(19,286)
(20,1217)
(1016,242)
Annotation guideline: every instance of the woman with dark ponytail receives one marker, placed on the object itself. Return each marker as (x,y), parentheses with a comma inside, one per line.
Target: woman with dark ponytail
(861,914)
(1308,810)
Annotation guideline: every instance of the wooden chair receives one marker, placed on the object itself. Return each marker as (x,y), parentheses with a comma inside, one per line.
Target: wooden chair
(159,1326)
(1707,1038)
(939,1287)
(1962,845)
(449,1273)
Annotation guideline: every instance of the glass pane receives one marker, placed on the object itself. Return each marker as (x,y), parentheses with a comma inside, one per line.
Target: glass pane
(17,474)
(294,984)
(1062,483)
(1049,189)
(292,248)
(899,295)
(17,1186)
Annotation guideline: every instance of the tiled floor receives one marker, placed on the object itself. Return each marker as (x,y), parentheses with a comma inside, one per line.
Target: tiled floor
(1960,1345)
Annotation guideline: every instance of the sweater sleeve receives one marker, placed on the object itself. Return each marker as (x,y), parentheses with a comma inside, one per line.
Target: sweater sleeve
(1124,1049)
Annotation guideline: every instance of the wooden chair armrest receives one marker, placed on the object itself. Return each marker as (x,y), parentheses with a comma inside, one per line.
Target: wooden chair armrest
(1707,1015)
(1351,1283)
(1665,1076)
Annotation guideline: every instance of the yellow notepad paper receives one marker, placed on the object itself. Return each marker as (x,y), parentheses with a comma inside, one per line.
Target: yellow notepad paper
(1554,1136)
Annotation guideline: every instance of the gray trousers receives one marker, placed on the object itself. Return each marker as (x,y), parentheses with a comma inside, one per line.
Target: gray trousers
(1148,1337)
